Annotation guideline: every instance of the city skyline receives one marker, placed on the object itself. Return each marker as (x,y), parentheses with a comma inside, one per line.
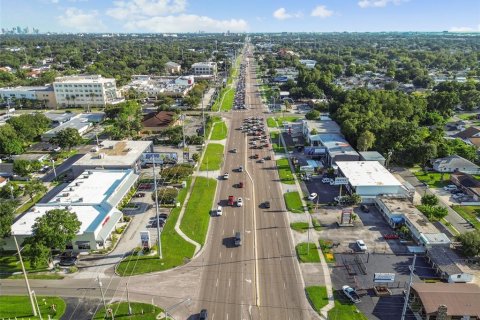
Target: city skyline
(177,16)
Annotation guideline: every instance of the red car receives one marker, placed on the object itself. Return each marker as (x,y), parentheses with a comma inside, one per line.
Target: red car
(240,184)
(255,156)
(231,200)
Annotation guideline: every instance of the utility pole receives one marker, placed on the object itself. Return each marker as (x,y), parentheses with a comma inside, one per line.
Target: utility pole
(26,278)
(54,171)
(159,241)
(128,301)
(412,268)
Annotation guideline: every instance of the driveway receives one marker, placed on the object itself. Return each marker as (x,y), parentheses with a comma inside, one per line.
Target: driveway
(325,191)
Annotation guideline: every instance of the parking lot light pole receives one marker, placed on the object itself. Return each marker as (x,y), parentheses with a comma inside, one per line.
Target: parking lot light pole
(54,171)
(26,278)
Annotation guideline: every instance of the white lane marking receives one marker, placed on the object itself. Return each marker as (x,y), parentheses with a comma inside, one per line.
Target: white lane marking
(231,254)
(213,316)
(220,255)
(223,232)
(248,280)
(234,213)
(227,316)
(229,281)
(216,283)
(284,286)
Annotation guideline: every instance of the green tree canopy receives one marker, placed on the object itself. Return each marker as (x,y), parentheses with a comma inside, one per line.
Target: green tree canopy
(470,243)
(67,138)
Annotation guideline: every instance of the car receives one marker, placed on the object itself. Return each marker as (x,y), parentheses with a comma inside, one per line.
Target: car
(364,208)
(240,185)
(255,156)
(203,315)
(450,187)
(219,211)
(240,169)
(154,223)
(266,204)
(226,176)
(261,161)
(239,202)
(163,216)
(238,239)
(139,195)
(68,262)
(268,158)
(231,200)
(351,294)
(234,150)
(312,196)
(361,245)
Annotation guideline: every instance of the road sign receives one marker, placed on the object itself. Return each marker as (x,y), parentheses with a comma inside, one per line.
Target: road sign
(145,239)
(341,180)
(346,217)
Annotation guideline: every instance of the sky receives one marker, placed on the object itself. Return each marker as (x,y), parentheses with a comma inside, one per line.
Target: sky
(176,16)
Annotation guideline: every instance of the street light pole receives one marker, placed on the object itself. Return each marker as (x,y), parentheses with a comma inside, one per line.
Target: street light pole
(54,171)
(26,278)
(11,192)
(36,303)
(159,241)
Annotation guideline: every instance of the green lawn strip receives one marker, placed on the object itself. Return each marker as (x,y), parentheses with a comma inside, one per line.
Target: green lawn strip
(176,251)
(307,256)
(316,224)
(219,131)
(197,213)
(433,179)
(299,226)
(9,264)
(212,160)
(293,201)
(469,213)
(280,120)
(227,102)
(216,104)
(275,143)
(449,226)
(15,307)
(272,123)
(286,175)
(326,247)
(344,309)
(27,205)
(140,311)
(317,296)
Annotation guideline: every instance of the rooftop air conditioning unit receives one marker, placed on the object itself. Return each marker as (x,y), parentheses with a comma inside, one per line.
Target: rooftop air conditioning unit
(66,194)
(71,188)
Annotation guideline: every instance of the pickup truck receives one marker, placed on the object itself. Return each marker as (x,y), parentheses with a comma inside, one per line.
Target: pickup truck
(351,294)
(231,200)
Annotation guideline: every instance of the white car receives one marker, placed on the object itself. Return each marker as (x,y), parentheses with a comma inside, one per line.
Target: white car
(312,196)
(351,294)
(239,202)
(226,176)
(450,187)
(361,245)
(219,211)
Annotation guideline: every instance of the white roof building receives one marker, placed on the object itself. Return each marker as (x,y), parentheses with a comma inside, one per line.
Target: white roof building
(125,154)
(93,197)
(369,179)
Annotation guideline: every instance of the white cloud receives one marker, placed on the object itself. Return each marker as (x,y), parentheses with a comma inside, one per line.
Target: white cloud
(129,9)
(186,23)
(378,3)
(464,29)
(282,14)
(322,12)
(80,20)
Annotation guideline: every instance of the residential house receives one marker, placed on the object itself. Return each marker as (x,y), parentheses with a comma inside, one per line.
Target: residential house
(467,134)
(172,67)
(455,164)
(156,122)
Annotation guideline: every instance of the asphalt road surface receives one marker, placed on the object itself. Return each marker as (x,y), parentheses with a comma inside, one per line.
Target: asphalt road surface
(261,278)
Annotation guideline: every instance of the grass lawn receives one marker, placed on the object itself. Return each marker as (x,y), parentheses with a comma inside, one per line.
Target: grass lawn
(317,296)
(9,264)
(299,226)
(219,131)
(27,205)
(286,175)
(304,256)
(176,251)
(271,122)
(293,201)
(197,214)
(227,102)
(433,179)
(469,213)
(212,160)
(15,307)
(316,225)
(344,309)
(140,311)
(326,246)
(280,120)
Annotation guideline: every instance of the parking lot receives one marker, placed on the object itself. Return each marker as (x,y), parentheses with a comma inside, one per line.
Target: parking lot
(325,191)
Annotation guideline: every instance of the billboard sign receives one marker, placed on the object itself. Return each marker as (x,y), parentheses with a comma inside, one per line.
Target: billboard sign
(341,180)
(384,277)
(160,157)
(145,239)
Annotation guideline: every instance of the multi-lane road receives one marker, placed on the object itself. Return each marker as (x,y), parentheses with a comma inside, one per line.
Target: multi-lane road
(261,278)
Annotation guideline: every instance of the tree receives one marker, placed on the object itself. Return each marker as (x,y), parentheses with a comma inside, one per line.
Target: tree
(470,243)
(30,126)
(177,172)
(195,157)
(54,230)
(353,199)
(7,213)
(24,168)
(166,195)
(10,142)
(365,141)
(33,188)
(67,138)
(429,200)
(433,213)
(312,115)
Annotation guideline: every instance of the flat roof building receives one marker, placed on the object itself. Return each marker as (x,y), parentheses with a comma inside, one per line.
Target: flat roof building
(125,154)
(81,122)
(93,197)
(372,156)
(337,148)
(45,95)
(369,179)
(204,68)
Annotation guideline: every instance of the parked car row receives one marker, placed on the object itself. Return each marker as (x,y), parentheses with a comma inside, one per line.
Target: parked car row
(239,100)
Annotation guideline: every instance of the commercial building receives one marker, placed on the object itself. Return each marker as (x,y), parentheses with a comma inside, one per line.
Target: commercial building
(81,122)
(448,301)
(337,148)
(93,197)
(372,156)
(153,86)
(45,95)
(172,67)
(323,126)
(204,69)
(86,90)
(369,179)
(110,155)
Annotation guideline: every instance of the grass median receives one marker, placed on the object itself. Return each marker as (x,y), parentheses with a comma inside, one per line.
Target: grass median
(176,251)
(317,296)
(469,213)
(219,131)
(16,307)
(293,201)
(272,123)
(306,253)
(197,213)
(286,175)
(299,226)
(227,102)
(212,160)
(140,311)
